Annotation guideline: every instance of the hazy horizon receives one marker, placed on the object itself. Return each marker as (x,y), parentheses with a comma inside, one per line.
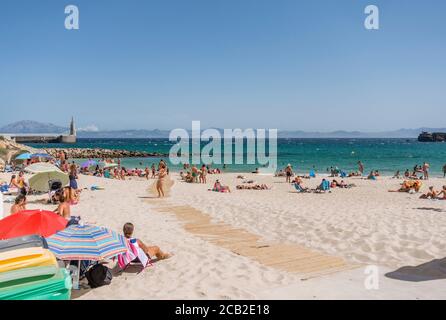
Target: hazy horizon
(97,129)
(285,64)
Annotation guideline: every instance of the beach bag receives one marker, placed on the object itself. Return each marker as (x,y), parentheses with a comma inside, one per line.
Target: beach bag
(55,185)
(98,276)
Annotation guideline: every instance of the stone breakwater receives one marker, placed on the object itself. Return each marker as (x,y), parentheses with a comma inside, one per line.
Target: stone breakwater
(85,153)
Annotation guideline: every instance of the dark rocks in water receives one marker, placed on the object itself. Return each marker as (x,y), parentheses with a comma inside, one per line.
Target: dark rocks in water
(86,153)
(432,137)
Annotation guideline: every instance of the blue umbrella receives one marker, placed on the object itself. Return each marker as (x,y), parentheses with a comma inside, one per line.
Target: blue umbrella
(41,155)
(86,243)
(24,156)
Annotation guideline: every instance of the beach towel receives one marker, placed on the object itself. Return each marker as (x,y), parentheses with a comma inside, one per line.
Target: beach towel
(133,253)
(94,188)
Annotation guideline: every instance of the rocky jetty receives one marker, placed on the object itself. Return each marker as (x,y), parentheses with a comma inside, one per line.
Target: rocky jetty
(96,153)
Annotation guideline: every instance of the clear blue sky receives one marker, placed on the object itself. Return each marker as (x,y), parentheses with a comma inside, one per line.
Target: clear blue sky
(287,64)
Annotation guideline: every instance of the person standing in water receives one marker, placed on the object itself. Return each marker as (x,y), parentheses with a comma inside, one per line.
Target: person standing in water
(160,182)
(444,171)
(153,171)
(426,171)
(360,168)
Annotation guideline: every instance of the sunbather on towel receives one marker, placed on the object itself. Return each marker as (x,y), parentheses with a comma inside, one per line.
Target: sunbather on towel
(218,187)
(150,251)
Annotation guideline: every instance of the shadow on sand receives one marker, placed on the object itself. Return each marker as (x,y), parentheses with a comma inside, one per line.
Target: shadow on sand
(433,270)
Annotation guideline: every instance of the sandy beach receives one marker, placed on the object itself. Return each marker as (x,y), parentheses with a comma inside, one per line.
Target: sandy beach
(364,225)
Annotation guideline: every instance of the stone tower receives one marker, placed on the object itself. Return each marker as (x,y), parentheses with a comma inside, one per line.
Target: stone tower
(72,127)
(71,138)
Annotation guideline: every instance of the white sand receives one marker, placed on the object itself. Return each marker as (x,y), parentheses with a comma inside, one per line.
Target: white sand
(365,225)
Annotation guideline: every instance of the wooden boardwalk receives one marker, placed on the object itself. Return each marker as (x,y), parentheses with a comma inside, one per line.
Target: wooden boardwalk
(286,257)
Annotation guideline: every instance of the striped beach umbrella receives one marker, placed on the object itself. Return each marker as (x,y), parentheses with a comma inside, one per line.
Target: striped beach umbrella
(79,242)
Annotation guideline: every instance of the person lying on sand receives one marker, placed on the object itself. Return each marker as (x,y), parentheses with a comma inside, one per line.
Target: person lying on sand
(431,194)
(218,187)
(19,204)
(150,251)
(253,187)
(409,186)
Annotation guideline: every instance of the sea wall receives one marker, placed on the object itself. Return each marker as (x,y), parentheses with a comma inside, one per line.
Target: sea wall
(96,153)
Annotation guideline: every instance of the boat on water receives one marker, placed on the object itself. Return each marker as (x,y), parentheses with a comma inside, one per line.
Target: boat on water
(432,137)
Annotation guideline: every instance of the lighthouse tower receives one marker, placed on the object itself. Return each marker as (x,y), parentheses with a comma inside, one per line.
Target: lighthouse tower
(71,138)
(72,127)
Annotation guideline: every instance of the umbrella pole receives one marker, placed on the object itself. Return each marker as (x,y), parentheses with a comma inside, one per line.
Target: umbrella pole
(78,273)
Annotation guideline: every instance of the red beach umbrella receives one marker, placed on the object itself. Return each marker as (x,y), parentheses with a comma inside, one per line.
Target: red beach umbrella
(29,222)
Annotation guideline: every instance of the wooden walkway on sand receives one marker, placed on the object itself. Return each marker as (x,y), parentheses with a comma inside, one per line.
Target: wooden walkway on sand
(286,257)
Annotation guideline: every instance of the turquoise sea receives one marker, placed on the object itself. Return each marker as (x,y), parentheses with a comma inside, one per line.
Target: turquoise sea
(385,155)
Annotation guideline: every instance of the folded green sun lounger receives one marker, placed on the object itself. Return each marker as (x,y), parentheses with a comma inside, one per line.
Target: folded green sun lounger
(38,283)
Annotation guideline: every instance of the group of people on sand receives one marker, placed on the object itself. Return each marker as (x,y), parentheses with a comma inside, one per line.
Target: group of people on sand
(67,196)
(195,175)
(433,194)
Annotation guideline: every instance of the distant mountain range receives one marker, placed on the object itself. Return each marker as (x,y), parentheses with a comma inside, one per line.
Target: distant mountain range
(37,127)
(29,126)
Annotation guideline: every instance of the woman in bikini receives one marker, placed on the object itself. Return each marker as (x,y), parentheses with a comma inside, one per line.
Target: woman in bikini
(160,183)
(204,171)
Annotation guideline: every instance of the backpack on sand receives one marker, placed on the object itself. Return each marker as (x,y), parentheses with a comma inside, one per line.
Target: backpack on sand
(99,275)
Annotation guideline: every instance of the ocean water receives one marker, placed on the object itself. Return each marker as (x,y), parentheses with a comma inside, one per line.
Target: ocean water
(385,155)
